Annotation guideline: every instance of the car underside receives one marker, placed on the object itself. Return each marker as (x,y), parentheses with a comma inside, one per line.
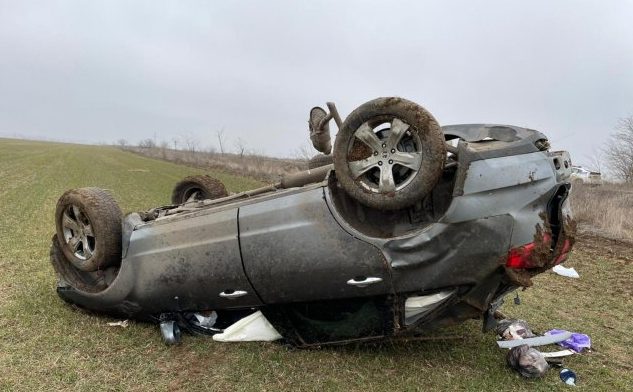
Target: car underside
(347,251)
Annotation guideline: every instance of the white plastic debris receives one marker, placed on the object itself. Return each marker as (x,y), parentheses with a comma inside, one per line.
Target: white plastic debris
(564,271)
(416,307)
(558,354)
(536,341)
(122,324)
(253,328)
(206,320)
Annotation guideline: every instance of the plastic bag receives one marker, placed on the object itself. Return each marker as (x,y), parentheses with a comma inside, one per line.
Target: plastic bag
(577,341)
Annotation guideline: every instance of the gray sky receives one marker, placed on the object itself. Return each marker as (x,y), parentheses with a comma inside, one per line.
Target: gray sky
(93,71)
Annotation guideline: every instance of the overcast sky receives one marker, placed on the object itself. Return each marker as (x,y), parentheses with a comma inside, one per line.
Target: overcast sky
(97,71)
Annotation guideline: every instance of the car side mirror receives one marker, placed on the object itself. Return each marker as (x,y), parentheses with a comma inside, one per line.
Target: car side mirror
(319,126)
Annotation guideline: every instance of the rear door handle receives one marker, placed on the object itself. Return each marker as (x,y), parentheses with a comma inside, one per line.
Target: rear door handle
(363,282)
(232,294)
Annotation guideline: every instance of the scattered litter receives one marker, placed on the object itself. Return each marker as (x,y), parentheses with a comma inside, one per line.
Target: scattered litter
(536,341)
(513,329)
(528,361)
(206,320)
(576,341)
(568,377)
(564,271)
(558,354)
(517,336)
(122,324)
(252,328)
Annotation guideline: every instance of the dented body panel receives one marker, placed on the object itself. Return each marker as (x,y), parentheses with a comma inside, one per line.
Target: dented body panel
(294,251)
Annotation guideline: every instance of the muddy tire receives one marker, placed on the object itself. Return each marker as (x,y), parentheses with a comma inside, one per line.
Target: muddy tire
(88,223)
(200,187)
(389,153)
(320,160)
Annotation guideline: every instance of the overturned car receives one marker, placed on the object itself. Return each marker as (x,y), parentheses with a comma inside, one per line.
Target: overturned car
(407,226)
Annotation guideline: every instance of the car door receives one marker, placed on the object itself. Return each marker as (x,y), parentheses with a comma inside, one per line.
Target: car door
(294,251)
(190,262)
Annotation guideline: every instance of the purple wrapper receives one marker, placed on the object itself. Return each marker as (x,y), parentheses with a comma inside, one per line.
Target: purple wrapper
(577,341)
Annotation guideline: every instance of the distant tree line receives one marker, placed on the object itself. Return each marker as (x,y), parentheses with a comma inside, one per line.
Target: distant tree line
(190,143)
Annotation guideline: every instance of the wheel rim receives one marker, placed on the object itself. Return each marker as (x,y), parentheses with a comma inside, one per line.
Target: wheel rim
(384,155)
(192,194)
(78,233)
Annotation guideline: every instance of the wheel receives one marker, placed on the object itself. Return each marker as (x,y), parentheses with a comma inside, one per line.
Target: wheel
(389,153)
(197,188)
(88,223)
(319,160)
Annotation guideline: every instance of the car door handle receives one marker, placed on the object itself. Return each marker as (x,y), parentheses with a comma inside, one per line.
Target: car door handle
(363,282)
(232,294)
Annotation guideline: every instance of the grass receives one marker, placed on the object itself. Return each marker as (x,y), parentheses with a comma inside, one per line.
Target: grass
(606,209)
(48,345)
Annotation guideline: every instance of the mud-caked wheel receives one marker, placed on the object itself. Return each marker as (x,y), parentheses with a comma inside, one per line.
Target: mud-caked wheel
(389,153)
(199,187)
(88,225)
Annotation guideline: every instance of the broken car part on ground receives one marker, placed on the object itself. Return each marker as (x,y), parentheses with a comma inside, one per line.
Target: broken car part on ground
(413,226)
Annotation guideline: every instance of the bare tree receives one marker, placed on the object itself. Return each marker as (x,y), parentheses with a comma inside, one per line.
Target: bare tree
(240,145)
(221,140)
(175,141)
(122,143)
(618,150)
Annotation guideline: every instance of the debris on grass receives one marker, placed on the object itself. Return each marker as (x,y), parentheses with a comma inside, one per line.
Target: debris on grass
(568,377)
(535,341)
(558,354)
(513,329)
(122,324)
(577,341)
(528,361)
(517,336)
(564,271)
(252,328)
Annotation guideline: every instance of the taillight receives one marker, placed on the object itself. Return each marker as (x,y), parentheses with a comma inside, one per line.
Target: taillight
(521,257)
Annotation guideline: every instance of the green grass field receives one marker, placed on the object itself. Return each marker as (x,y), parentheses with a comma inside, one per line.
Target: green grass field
(48,345)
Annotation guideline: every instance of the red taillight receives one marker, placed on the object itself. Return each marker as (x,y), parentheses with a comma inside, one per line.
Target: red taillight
(521,257)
